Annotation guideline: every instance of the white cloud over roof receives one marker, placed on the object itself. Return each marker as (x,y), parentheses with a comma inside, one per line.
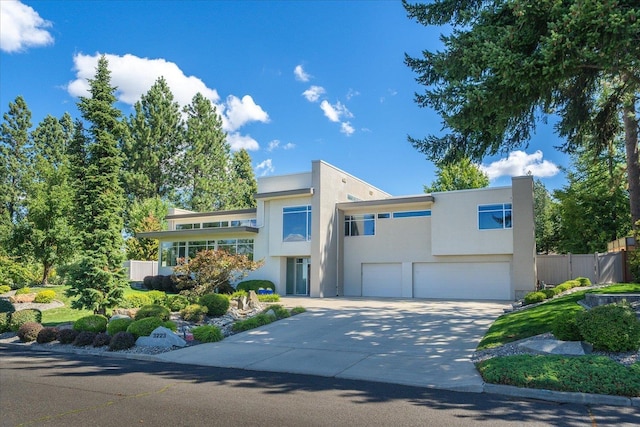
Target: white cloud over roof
(519,163)
(265,168)
(238,142)
(300,74)
(239,112)
(313,93)
(22,27)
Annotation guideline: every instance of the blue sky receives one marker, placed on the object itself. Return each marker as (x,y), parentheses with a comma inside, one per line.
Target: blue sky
(295,81)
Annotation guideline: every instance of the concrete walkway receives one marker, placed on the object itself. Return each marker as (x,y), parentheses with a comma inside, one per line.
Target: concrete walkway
(422,343)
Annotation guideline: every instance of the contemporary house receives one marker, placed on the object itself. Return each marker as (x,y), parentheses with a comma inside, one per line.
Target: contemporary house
(326,233)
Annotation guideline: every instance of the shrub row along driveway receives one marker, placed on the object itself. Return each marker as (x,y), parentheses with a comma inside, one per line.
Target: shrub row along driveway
(414,342)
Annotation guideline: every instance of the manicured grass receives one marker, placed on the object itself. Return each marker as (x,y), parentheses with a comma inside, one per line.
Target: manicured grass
(538,320)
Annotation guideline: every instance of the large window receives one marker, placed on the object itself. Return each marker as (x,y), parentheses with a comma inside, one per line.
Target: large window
(494,217)
(173,251)
(296,224)
(411,214)
(360,225)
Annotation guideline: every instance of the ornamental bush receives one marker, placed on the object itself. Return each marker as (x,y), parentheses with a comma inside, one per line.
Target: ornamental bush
(193,313)
(66,336)
(254,285)
(217,304)
(157,297)
(252,322)
(144,326)
(207,333)
(93,323)
(298,310)
(534,297)
(611,327)
(549,293)
(280,311)
(84,338)
(6,306)
(176,302)
(101,339)
(28,331)
(47,334)
(5,318)
(122,341)
(21,317)
(153,310)
(135,301)
(23,291)
(584,281)
(45,297)
(118,325)
(565,327)
(4,289)
(269,298)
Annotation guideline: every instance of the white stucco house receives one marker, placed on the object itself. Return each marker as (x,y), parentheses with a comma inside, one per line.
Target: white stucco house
(326,233)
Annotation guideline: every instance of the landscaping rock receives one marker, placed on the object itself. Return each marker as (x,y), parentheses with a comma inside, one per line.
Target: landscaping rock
(161,337)
(254,302)
(21,299)
(548,346)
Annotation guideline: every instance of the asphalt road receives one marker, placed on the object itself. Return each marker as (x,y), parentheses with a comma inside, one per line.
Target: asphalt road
(38,388)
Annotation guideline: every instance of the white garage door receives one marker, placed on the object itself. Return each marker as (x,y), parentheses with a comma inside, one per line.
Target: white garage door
(382,280)
(474,280)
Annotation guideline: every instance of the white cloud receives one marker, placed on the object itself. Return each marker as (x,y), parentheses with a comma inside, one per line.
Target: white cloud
(289,146)
(265,168)
(22,27)
(346,128)
(352,93)
(238,142)
(239,112)
(300,74)
(275,144)
(335,112)
(313,93)
(519,163)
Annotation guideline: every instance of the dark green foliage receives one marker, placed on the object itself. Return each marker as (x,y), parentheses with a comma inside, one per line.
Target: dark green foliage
(6,306)
(122,341)
(144,327)
(252,322)
(207,333)
(243,180)
(565,327)
(153,310)
(177,302)
(84,338)
(118,325)
(101,339)
(45,297)
(461,175)
(217,304)
(28,331)
(254,285)
(147,282)
(161,283)
(612,327)
(586,374)
(66,336)
(93,323)
(193,313)
(23,291)
(298,310)
(534,297)
(280,311)
(135,301)
(5,318)
(47,334)
(24,316)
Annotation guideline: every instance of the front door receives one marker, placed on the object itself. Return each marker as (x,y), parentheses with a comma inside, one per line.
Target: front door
(298,276)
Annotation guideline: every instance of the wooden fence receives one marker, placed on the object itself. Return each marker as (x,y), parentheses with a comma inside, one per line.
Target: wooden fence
(599,268)
(137,270)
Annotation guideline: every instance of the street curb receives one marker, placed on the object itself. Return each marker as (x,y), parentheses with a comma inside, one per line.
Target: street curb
(561,396)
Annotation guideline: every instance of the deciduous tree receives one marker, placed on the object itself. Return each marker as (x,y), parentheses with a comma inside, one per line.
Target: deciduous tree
(459,175)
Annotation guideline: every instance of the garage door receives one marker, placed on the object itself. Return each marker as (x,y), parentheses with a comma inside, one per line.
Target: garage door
(382,280)
(475,280)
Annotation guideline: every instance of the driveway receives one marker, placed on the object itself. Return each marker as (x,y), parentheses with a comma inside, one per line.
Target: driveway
(424,343)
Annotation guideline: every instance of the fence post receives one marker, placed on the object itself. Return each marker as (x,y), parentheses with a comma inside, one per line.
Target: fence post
(570,267)
(596,266)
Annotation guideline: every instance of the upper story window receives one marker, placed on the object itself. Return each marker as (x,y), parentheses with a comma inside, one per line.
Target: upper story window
(219,224)
(360,225)
(492,217)
(296,224)
(411,214)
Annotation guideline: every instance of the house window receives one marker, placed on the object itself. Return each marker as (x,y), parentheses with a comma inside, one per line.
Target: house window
(172,252)
(360,225)
(384,215)
(494,217)
(296,224)
(411,214)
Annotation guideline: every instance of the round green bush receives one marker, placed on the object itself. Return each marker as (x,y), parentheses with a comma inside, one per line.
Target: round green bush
(122,341)
(5,318)
(193,313)
(565,327)
(118,325)
(47,334)
(534,297)
(157,297)
(66,336)
(207,333)
(549,293)
(135,301)
(21,317)
(217,304)
(23,291)
(6,306)
(45,297)
(84,338)
(144,326)
(101,339)
(4,289)
(177,302)
(584,281)
(153,310)
(28,331)
(611,327)
(93,323)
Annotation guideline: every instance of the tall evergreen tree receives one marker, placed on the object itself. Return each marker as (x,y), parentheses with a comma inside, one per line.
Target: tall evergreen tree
(145,215)
(459,175)
(546,219)
(206,161)
(98,281)
(243,181)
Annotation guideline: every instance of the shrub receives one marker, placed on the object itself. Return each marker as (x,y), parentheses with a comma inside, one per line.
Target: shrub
(84,338)
(269,298)
(168,284)
(254,285)
(207,333)
(239,294)
(217,304)
(118,325)
(157,297)
(584,281)
(135,301)
(47,334)
(18,318)
(611,327)
(549,293)
(5,319)
(4,289)
(153,310)
(147,282)
(569,284)
(565,327)
(28,331)
(144,326)
(122,341)
(193,313)
(177,302)
(252,322)
(280,311)
(23,291)
(298,310)
(101,339)
(45,297)
(93,323)
(6,306)
(66,336)
(534,297)
(170,324)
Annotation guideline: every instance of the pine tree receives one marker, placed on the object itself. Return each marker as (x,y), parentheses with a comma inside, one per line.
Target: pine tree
(243,182)
(98,281)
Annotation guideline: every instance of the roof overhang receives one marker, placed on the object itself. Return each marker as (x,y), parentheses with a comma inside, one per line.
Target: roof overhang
(286,194)
(210,214)
(407,202)
(199,233)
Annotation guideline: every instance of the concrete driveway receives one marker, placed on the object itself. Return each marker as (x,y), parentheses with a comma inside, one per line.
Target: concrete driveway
(424,343)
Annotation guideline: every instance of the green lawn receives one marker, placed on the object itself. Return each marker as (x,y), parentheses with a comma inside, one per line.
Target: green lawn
(538,320)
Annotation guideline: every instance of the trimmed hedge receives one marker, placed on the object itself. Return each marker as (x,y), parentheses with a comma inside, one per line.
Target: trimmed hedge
(47,334)
(153,310)
(21,317)
(565,327)
(176,302)
(6,306)
(66,336)
(118,325)
(45,297)
(135,301)
(122,341)
(611,327)
(254,285)
(144,326)
(94,323)
(534,297)
(29,331)
(217,304)
(193,313)
(84,338)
